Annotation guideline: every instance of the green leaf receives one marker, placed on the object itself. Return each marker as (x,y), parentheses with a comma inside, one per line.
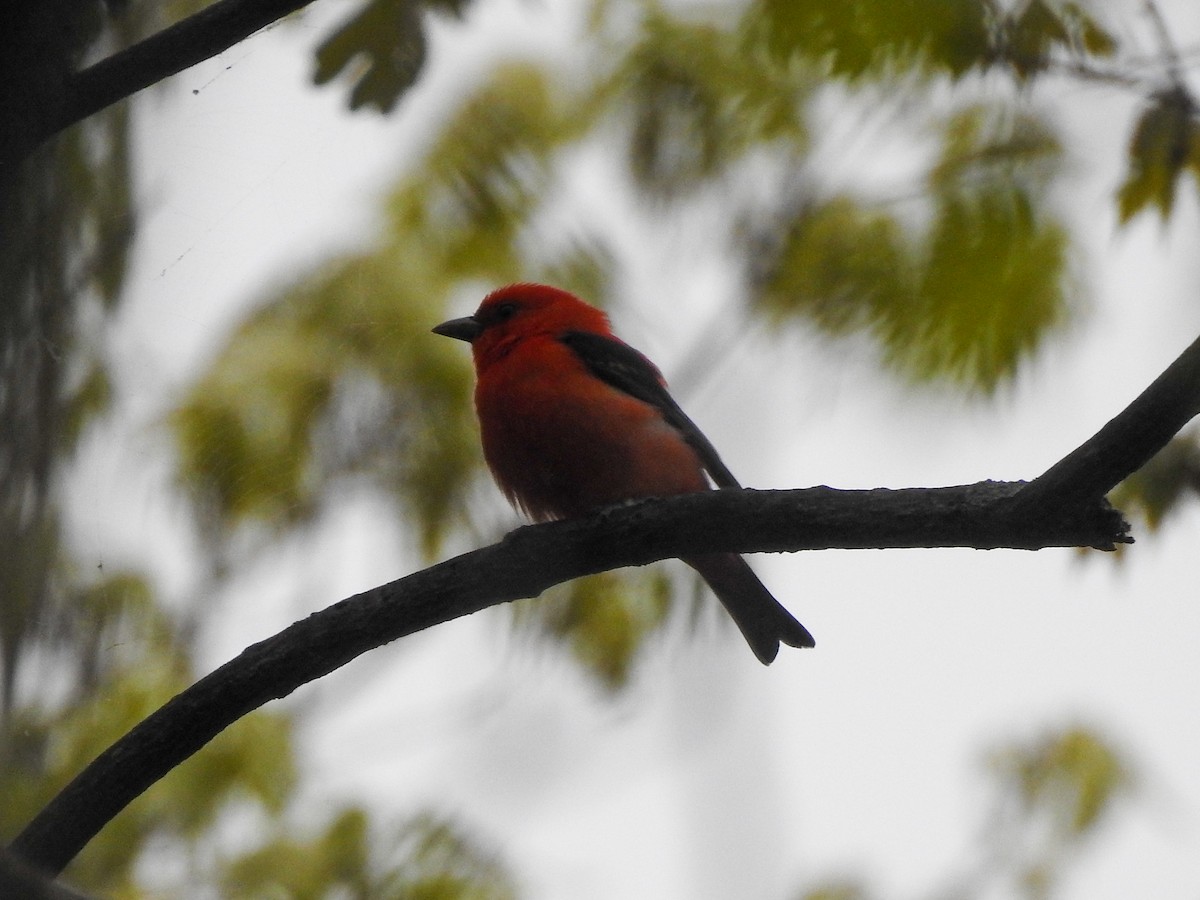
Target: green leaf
(437,859)
(337,377)
(990,290)
(1031,35)
(85,403)
(488,168)
(841,266)
(1160,487)
(382,48)
(603,619)
(837,890)
(964,301)
(699,97)
(244,434)
(859,38)
(1091,37)
(995,145)
(1072,777)
(992,266)
(337,858)
(1165,141)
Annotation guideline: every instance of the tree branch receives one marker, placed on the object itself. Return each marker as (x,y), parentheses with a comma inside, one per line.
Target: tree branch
(213,30)
(18,879)
(1122,446)
(524,564)
(529,560)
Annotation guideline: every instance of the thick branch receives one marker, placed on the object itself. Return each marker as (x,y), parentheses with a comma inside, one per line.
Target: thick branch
(524,564)
(1063,508)
(213,30)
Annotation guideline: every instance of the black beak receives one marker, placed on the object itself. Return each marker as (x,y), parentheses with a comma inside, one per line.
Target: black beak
(466,329)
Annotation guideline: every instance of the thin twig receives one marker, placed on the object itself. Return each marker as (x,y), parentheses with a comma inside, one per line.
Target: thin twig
(202,36)
(1167,43)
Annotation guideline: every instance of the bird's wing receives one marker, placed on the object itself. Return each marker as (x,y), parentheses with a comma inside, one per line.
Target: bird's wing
(622,367)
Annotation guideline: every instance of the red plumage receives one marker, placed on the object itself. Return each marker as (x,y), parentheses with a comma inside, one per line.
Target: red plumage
(572,419)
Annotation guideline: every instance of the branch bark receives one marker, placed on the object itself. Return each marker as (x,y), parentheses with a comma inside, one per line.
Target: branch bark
(1063,508)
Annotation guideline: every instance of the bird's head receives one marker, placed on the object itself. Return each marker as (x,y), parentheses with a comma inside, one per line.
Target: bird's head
(520,311)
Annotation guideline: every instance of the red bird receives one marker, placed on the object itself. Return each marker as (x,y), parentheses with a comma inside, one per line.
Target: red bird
(573,419)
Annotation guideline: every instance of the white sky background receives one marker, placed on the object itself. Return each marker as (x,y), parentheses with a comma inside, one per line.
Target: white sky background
(715,777)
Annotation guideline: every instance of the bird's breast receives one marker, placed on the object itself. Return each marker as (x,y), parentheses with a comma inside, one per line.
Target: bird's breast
(561,442)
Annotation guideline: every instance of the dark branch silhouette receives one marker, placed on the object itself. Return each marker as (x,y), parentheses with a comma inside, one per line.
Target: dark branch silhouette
(527,562)
(19,879)
(1125,444)
(1063,508)
(202,36)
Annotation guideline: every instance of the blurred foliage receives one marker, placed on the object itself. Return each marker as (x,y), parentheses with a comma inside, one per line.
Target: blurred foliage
(966,299)
(435,859)
(992,271)
(837,890)
(1031,34)
(603,619)
(336,859)
(839,265)
(135,661)
(1049,795)
(66,218)
(1165,145)
(428,858)
(381,49)
(1159,488)
(337,381)
(959,282)
(872,38)
(1054,792)
(697,98)
(1072,776)
(130,658)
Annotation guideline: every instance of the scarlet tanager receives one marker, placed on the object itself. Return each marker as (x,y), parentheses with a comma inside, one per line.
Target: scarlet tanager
(573,419)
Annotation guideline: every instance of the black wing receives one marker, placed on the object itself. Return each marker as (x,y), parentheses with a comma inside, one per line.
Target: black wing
(619,365)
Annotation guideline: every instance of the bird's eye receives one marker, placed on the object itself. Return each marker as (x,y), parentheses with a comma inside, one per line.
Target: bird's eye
(505,311)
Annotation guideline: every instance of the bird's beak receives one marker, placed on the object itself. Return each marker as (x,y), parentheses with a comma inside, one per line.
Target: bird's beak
(465,329)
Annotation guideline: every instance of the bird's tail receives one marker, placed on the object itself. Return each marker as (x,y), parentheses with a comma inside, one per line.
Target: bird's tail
(761,618)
